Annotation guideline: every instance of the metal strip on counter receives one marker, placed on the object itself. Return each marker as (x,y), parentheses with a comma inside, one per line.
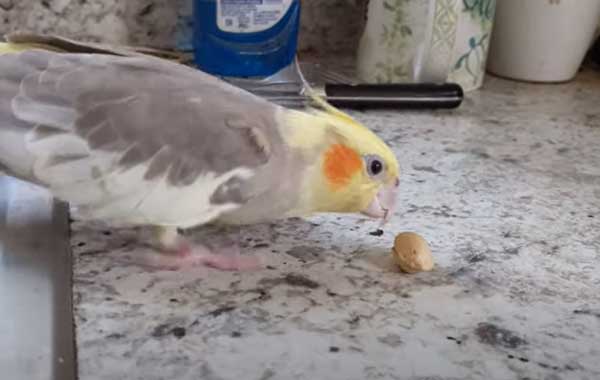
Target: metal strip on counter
(36,311)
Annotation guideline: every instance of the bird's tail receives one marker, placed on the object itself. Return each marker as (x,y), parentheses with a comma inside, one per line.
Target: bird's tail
(9,47)
(14,159)
(19,41)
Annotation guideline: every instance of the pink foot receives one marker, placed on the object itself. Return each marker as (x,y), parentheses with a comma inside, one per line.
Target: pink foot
(187,256)
(172,251)
(228,258)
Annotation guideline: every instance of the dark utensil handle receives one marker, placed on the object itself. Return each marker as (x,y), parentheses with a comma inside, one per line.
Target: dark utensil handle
(595,51)
(397,96)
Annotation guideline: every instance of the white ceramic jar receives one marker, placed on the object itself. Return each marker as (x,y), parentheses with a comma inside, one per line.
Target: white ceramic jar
(542,40)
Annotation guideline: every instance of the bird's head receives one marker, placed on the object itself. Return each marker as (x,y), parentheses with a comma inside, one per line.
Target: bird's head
(351,170)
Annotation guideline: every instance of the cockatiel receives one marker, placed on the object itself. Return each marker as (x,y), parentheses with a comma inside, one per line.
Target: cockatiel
(136,140)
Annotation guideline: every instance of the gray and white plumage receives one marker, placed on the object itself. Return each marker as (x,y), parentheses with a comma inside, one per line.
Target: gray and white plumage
(139,140)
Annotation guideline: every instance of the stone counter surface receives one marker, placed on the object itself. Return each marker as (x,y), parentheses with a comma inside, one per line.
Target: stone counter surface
(507,192)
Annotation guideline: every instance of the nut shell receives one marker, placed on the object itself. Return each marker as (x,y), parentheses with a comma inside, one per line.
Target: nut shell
(412,253)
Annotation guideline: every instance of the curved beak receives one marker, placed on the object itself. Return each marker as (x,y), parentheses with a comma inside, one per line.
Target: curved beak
(384,203)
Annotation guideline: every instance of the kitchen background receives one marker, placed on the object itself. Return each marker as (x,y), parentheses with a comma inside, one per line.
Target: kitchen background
(505,189)
(165,24)
(331,30)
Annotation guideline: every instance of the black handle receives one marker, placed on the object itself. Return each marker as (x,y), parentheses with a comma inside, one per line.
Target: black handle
(397,96)
(595,51)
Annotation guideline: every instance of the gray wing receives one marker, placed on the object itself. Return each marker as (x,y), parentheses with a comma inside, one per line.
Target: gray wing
(89,120)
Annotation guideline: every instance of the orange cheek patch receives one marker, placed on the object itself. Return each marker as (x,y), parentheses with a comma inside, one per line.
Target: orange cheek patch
(340,164)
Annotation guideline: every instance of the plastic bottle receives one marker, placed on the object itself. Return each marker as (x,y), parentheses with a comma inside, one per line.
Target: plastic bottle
(245,38)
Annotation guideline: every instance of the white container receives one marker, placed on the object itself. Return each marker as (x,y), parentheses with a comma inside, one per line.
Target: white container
(426,41)
(542,40)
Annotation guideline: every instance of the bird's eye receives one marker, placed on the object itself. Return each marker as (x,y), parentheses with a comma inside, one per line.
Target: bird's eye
(374,166)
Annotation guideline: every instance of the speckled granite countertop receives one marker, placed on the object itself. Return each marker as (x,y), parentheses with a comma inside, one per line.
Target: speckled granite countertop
(506,190)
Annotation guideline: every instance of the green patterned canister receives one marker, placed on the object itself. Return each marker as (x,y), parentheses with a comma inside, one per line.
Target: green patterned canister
(426,41)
